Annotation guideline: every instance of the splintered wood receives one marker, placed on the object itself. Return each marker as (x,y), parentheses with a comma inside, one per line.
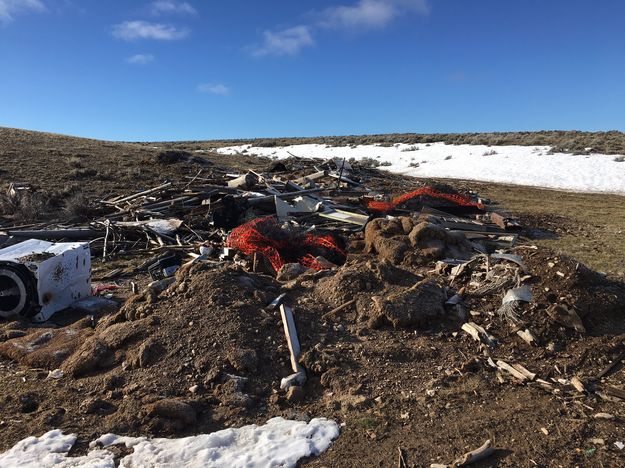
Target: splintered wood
(480,334)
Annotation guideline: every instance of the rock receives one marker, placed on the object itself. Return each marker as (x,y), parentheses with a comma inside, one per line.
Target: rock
(243,359)
(53,417)
(295,394)
(114,382)
(148,353)
(230,393)
(353,402)
(173,409)
(94,405)
(28,403)
(211,376)
(194,389)
(290,271)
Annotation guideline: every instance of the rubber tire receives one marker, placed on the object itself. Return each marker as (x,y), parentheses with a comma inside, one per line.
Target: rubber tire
(21,277)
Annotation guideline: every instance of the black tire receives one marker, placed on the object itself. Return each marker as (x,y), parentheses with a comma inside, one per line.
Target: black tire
(17,291)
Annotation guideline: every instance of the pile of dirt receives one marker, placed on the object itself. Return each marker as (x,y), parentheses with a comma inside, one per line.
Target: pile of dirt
(407,241)
(362,276)
(208,353)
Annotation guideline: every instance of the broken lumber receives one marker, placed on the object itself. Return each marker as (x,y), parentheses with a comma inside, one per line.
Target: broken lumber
(299,376)
(139,194)
(512,370)
(479,334)
(338,309)
(476,455)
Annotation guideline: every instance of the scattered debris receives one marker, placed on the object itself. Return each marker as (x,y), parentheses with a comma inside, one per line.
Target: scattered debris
(383,288)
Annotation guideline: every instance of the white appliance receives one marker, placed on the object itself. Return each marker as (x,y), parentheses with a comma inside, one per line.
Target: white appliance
(39,278)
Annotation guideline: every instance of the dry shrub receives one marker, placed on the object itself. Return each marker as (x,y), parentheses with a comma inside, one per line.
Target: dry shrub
(26,207)
(82,173)
(76,206)
(74,161)
(172,157)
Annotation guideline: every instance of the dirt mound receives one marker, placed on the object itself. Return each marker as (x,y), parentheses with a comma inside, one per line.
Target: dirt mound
(45,347)
(362,276)
(407,241)
(415,306)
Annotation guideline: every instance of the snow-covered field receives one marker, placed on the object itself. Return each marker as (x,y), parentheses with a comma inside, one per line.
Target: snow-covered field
(280,442)
(520,165)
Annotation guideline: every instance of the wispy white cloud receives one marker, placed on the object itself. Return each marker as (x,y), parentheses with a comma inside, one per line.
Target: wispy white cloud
(140,59)
(11,8)
(284,42)
(214,88)
(360,16)
(131,30)
(369,14)
(172,7)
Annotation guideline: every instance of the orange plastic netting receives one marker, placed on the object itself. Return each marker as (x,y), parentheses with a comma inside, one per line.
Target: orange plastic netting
(265,236)
(457,198)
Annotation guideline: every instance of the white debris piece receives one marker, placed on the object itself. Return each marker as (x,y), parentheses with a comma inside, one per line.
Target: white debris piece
(39,278)
(280,442)
(519,165)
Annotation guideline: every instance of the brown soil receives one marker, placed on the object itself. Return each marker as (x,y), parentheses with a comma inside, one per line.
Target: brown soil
(394,368)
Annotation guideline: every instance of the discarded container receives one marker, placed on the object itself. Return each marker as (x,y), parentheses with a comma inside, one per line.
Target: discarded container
(39,278)
(164,267)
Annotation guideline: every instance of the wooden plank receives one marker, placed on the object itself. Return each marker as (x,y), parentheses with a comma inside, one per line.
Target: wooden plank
(139,194)
(291,337)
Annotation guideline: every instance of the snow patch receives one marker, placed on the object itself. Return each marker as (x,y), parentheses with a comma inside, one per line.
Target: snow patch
(280,442)
(520,165)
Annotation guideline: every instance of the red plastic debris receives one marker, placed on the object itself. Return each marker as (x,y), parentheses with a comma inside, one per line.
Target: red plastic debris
(98,288)
(457,198)
(279,246)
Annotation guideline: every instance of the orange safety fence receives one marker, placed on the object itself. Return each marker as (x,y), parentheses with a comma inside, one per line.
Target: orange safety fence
(265,236)
(457,198)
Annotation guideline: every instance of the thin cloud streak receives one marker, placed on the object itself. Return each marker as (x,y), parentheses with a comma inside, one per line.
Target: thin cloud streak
(133,30)
(140,59)
(214,88)
(171,7)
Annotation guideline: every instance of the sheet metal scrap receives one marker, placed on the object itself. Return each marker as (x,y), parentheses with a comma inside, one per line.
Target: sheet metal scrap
(505,221)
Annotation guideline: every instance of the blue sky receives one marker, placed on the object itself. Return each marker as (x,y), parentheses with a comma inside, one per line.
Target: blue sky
(172,70)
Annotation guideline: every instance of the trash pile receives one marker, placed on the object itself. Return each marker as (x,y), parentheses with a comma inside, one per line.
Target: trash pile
(231,298)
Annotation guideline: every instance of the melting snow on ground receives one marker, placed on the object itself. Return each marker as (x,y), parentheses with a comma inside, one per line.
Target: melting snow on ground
(280,442)
(520,165)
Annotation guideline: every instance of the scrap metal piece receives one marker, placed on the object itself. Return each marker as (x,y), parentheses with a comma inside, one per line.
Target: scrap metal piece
(510,258)
(346,217)
(505,221)
(523,293)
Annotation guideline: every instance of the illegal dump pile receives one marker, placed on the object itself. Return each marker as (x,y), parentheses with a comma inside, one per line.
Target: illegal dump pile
(307,290)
